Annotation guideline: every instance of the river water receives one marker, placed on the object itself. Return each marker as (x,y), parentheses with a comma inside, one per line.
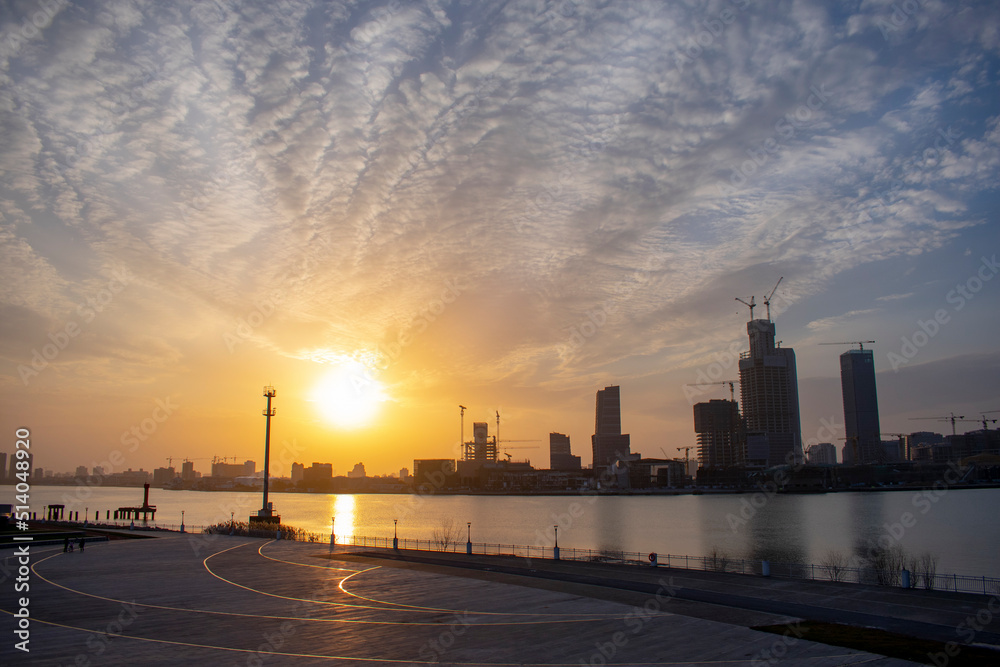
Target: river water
(958,526)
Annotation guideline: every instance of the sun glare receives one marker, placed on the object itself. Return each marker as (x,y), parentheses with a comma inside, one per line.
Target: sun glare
(349,395)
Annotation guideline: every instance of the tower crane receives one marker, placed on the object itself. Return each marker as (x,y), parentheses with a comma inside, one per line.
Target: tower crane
(732,390)
(860,343)
(767,299)
(505,448)
(687,465)
(983,415)
(952,417)
(749,304)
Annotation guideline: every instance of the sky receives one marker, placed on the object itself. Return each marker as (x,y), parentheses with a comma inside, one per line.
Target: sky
(387,210)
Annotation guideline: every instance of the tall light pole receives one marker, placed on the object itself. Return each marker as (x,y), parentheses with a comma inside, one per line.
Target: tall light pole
(265,513)
(333,531)
(182,521)
(395,535)
(468,542)
(555,549)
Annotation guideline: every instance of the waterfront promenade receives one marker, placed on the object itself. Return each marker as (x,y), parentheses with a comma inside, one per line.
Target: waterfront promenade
(197,599)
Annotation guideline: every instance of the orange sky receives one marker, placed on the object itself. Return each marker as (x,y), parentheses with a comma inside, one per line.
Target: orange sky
(502,205)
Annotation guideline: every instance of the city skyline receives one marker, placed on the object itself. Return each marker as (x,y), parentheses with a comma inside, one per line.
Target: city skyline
(387,211)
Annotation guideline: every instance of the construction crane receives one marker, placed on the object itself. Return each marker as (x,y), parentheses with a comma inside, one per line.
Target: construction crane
(767,299)
(732,390)
(952,417)
(988,412)
(687,455)
(751,305)
(505,447)
(860,343)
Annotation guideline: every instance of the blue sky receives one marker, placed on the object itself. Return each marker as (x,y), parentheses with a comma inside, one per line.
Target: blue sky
(638,165)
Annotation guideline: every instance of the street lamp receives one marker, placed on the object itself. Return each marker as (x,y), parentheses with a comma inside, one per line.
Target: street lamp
(182,521)
(555,549)
(468,542)
(395,535)
(232,522)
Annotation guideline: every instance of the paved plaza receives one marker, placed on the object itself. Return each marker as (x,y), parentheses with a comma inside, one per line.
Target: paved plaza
(220,600)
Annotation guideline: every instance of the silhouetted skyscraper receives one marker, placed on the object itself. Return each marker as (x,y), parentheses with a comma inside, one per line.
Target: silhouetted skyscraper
(857,380)
(769,389)
(608,442)
(560,456)
(717,424)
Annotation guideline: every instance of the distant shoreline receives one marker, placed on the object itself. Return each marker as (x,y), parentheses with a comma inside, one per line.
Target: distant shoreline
(616,492)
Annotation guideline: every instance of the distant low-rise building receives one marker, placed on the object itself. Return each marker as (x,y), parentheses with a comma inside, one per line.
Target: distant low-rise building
(162,476)
(233,470)
(430,475)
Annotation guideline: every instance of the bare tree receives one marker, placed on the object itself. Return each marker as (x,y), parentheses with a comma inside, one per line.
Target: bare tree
(717,560)
(887,563)
(836,563)
(924,567)
(446,534)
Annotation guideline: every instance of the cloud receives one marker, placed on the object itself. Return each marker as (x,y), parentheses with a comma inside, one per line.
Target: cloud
(831,322)
(638,164)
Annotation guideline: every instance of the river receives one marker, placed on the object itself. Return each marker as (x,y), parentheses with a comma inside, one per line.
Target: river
(958,526)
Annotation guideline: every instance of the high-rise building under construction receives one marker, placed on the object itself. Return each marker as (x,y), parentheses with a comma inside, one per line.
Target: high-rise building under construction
(609,443)
(857,381)
(720,442)
(769,390)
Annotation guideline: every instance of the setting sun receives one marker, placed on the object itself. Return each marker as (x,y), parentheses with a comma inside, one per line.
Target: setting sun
(349,395)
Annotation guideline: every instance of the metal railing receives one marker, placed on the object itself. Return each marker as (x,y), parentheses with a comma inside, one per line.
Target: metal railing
(867,575)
